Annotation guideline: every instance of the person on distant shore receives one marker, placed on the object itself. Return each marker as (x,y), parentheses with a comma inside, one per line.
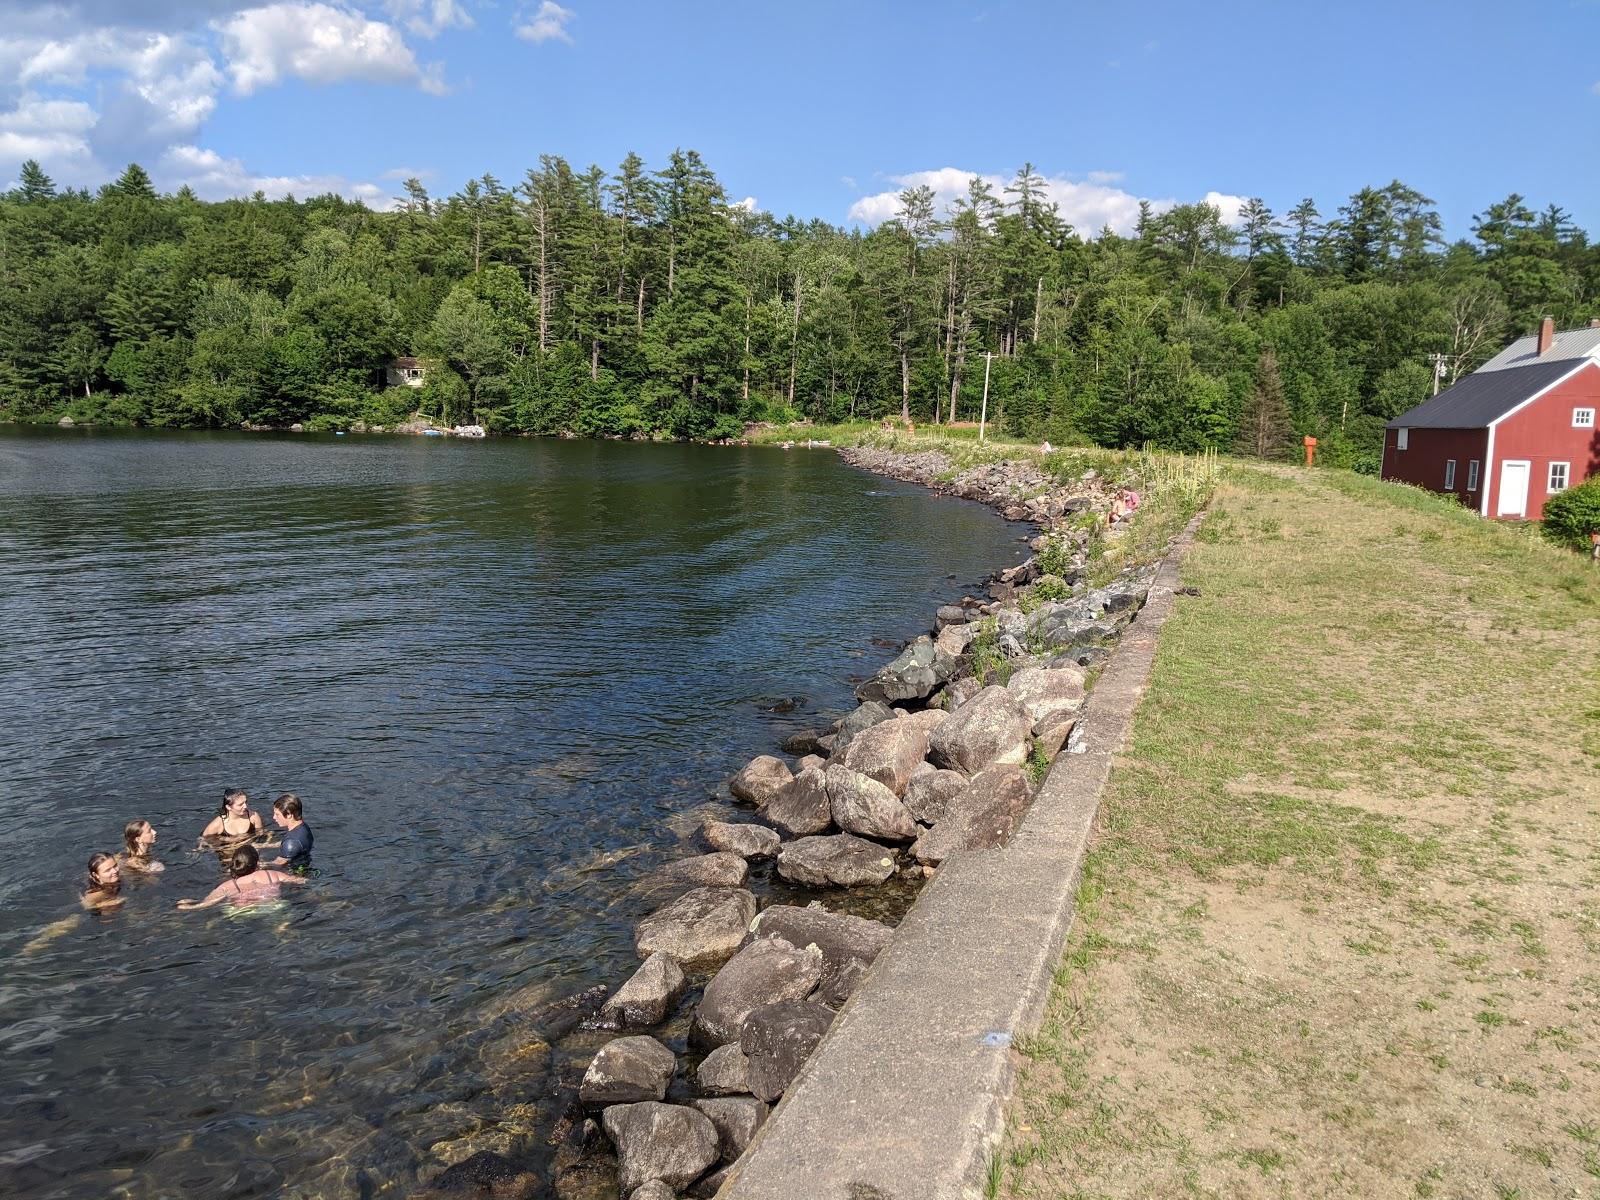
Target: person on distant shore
(295,850)
(105,883)
(138,836)
(234,822)
(250,883)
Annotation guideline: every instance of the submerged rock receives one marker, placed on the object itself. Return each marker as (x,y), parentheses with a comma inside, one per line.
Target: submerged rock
(778,1039)
(866,807)
(628,1070)
(983,816)
(736,1119)
(647,997)
(705,925)
(706,870)
(763,972)
(760,780)
(802,807)
(485,1174)
(992,727)
(668,1142)
(841,860)
(801,743)
(848,944)
(743,839)
(724,1072)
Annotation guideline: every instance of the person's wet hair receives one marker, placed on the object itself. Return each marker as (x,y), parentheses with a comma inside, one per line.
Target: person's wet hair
(132,832)
(96,861)
(227,798)
(288,804)
(243,861)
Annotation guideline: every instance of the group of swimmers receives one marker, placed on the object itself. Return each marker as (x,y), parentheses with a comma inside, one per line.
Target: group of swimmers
(233,833)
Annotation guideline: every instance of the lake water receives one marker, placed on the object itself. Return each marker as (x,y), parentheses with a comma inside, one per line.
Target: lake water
(507,678)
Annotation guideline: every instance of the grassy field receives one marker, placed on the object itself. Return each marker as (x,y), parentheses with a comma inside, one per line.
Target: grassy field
(1340,927)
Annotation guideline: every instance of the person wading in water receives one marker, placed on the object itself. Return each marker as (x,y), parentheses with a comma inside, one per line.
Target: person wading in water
(251,883)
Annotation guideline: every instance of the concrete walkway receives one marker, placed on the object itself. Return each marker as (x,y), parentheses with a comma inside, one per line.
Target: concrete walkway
(905,1098)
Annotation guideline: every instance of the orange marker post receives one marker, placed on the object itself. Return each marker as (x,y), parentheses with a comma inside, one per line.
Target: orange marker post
(1311,450)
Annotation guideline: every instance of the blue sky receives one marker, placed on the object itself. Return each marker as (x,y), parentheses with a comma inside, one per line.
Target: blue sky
(820,109)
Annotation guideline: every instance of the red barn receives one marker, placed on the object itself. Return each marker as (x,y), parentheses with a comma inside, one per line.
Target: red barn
(1512,434)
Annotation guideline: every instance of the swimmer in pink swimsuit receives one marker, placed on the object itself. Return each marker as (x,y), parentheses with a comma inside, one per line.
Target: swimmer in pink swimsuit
(250,882)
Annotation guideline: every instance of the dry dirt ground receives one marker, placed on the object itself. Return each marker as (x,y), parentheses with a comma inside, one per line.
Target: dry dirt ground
(1340,927)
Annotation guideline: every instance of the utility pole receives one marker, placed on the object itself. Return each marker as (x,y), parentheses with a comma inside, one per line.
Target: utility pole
(1438,361)
(983,416)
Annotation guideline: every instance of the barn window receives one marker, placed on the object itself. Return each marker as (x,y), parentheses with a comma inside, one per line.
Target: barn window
(1472,475)
(1558,477)
(1402,438)
(1449,474)
(1583,418)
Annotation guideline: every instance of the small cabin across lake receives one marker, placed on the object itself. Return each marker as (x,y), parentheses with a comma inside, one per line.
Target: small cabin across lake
(405,372)
(1512,434)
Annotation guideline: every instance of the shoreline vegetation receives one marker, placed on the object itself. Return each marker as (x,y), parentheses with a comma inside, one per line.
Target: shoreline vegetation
(944,753)
(643,303)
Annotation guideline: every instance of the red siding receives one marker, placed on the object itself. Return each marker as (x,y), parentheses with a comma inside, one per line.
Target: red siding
(1423,461)
(1541,433)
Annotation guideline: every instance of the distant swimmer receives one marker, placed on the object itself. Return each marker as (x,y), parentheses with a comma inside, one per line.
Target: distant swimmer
(288,815)
(251,883)
(234,822)
(105,883)
(138,837)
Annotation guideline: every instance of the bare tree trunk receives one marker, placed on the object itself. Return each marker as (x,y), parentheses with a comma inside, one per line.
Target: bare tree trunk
(749,299)
(639,314)
(955,375)
(794,340)
(905,384)
(594,361)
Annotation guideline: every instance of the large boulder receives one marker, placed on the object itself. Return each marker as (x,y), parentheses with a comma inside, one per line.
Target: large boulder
(959,692)
(873,712)
(653,1190)
(760,780)
(626,1071)
(724,1072)
(888,752)
(705,925)
(848,944)
(778,1039)
(982,817)
(706,870)
(647,997)
(920,670)
(954,639)
(1045,691)
(736,1118)
(741,838)
(992,727)
(841,860)
(802,807)
(801,743)
(764,972)
(668,1142)
(864,806)
(929,793)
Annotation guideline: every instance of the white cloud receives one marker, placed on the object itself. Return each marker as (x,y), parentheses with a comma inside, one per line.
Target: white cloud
(426,18)
(548,24)
(214,177)
(317,43)
(1089,205)
(404,173)
(748,204)
(48,130)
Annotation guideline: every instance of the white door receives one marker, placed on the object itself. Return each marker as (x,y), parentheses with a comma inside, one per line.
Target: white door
(1513,501)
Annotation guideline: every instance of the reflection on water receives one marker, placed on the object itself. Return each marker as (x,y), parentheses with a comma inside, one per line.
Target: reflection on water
(507,678)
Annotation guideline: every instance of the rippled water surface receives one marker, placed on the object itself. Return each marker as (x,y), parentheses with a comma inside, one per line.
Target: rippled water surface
(508,678)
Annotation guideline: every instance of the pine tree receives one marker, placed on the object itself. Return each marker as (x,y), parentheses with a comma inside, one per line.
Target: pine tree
(1264,430)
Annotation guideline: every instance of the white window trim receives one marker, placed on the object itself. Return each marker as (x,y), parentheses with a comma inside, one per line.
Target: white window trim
(1472,474)
(1402,438)
(1449,474)
(1550,478)
(1583,418)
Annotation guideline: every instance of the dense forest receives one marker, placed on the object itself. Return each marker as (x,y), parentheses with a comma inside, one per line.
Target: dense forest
(644,303)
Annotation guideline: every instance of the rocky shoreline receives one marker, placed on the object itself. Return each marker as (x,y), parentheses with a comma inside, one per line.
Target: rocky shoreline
(943,754)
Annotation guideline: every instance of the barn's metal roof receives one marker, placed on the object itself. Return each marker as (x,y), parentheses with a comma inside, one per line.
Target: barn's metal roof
(1568,344)
(1485,396)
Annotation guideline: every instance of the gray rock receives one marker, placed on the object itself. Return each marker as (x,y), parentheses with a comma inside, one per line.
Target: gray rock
(778,1039)
(920,670)
(654,1190)
(848,944)
(628,1070)
(765,971)
(982,817)
(954,639)
(1045,691)
(668,1142)
(760,780)
(873,712)
(724,1072)
(800,743)
(1051,733)
(483,1174)
(810,760)
(840,860)
(959,692)
(706,870)
(951,614)
(647,997)
(705,925)
(925,719)
(802,807)
(888,752)
(826,744)
(736,1119)
(745,840)
(865,807)
(707,1186)
(928,795)
(992,727)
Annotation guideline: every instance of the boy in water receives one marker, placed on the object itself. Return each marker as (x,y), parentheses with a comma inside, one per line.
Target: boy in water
(295,850)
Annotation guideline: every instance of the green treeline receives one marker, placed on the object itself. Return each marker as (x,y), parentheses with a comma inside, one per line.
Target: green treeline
(644,303)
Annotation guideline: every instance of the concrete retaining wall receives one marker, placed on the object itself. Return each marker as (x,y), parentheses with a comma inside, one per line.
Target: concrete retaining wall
(905,1098)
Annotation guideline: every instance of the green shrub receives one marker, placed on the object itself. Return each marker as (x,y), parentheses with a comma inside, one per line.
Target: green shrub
(1571,516)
